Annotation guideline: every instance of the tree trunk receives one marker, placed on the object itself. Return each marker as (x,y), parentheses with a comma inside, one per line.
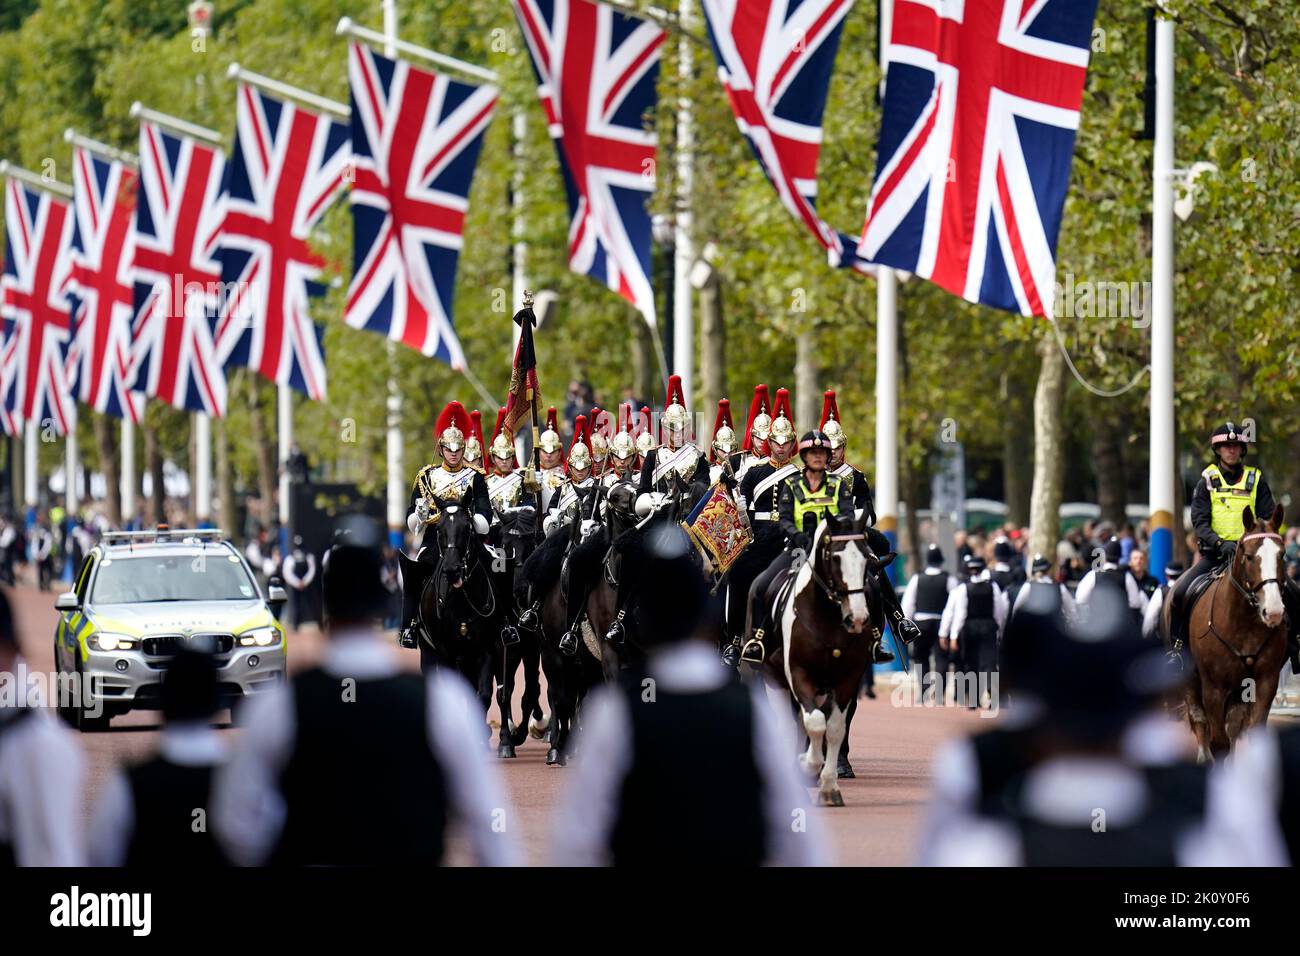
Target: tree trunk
(153,463)
(807,396)
(1049,460)
(1017,457)
(17,470)
(265,451)
(1108,459)
(915,491)
(106,442)
(227,516)
(713,351)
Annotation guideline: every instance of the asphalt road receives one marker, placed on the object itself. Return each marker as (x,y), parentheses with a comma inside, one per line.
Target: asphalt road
(891,750)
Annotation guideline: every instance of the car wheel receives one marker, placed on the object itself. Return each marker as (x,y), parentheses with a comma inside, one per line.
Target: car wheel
(85,721)
(60,708)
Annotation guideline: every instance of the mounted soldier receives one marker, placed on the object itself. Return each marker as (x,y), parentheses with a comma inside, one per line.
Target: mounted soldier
(759,496)
(598,426)
(449,482)
(474,443)
(620,462)
(676,466)
(1227,488)
(725,455)
(551,458)
(514,516)
(644,439)
(757,427)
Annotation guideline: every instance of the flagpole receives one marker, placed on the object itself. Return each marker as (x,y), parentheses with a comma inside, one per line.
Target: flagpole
(683,246)
(174,125)
(202,489)
(392,46)
(30,443)
(305,97)
(1163,462)
(128,470)
(397,497)
(71,500)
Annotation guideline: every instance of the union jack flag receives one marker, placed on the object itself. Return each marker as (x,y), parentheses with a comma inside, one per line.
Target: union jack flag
(177,276)
(415,141)
(596,70)
(981,108)
(103,207)
(34,299)
(288,165)
(775,59)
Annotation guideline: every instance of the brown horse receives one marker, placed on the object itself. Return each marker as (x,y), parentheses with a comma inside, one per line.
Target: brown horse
(828,614)
(1237,639)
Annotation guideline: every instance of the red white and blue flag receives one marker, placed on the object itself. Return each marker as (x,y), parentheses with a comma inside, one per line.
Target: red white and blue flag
(980,114)
(287,166)
(596,71)
(103,207)
(775,59)
(416,137)
(177,276)
(33,297)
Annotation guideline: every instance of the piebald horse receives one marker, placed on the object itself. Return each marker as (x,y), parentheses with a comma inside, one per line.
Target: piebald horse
(828,614)
(1237,639)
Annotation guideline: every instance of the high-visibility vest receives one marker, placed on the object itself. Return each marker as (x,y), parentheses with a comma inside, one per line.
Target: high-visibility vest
(823,502)
(1228,501)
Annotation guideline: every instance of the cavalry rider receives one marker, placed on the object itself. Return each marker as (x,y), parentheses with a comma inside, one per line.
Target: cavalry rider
(566,507)
(834,430)
(759,495)
(675,463)
(621,459)
(598,426)
(514,515)
(551,458)
(807,499)
(644,439)
(1217,508)
(1110,574)
(1048,594)
(724,453)
(757,427)
(449,482)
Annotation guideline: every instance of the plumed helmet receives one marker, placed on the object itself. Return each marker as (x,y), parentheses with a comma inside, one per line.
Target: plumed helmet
(452,427)
(502,446)
(645,439)
(675,418)
(830,423)
(599,425)
(759,422)
(724,432)
(580,449)
(474,440)
(622,446)
(549,440)
(782,429)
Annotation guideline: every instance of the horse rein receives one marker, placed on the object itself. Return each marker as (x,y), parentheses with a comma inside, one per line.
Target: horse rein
(840,595)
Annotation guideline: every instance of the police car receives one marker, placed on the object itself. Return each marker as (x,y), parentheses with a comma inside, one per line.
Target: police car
(139,597)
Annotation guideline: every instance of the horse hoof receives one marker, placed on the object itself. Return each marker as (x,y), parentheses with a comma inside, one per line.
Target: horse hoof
(537,728)
(554,758)
(506,750)
(832,798)
(519,736)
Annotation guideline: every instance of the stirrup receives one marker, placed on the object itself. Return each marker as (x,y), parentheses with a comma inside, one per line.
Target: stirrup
(754,652)
(616,632)
(509,635)
(529,619)
(406,637)
(731,654)
(569,644)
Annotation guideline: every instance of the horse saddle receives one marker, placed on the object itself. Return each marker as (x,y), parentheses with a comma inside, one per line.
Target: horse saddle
(1202,584)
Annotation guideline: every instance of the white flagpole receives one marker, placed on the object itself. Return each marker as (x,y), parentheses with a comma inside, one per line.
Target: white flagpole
(1162,454)
(30,492)
(396,464)
(128,470)
(334,108)
(70,467)
(284,409)
(683,247)
(202,488)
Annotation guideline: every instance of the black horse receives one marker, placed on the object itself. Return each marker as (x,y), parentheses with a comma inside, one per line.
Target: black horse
(458,617)
(513,538)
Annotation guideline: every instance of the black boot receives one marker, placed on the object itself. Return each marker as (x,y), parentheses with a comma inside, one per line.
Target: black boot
(880,655)
(905,630)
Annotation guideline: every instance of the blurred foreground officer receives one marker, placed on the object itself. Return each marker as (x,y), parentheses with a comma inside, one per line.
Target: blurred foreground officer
(1081,796)
(1258,797)
(156,814)
(655,753)
(41,771)
(355,762)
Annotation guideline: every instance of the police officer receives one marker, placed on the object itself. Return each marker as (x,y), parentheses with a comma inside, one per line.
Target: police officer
(1110,575)
(923,602)
(450,481)
(1041,582)
(412,746)
(1151,617)
(156,813)
(1218,504)
(42,771)
(676,465)
(634,797)
(1007,571)
(299,571)
(972,623)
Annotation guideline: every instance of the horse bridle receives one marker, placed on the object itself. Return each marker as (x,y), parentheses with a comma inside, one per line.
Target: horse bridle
(840,595)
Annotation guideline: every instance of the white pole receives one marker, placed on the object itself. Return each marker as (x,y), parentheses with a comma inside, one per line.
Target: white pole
(70,469)
(887,404)
(396,466)
(30,492)
(128,471)
(284,408)
(519,276)
(1162,306)
(202,488)
(684,255)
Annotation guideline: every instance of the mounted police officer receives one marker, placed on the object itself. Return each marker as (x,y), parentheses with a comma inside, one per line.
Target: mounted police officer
(675,466)
(1227,487)
(807,499)
(759,494)
(450,481)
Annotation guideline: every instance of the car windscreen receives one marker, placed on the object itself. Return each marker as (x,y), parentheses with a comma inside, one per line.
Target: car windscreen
(144,579)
